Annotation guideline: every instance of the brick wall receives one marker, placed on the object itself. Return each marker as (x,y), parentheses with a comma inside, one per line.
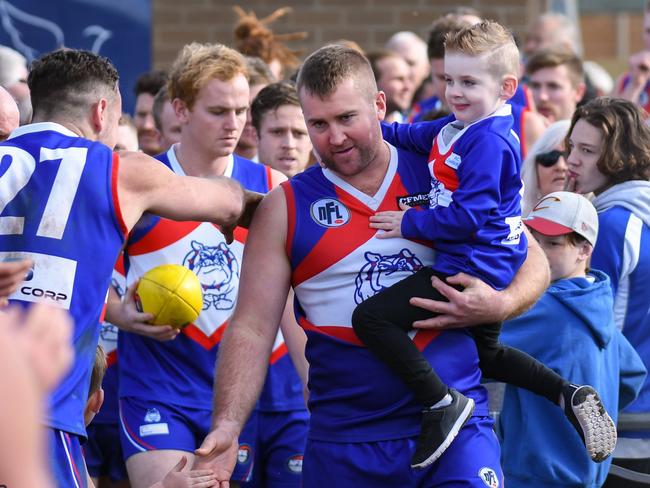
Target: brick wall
(368,22)
(608,38)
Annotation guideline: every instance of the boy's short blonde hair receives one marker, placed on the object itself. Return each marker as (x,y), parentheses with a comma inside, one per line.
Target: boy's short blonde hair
(487,38)
(197,64)
(99,369)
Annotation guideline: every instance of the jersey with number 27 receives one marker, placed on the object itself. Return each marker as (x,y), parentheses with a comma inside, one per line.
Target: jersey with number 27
(59,208)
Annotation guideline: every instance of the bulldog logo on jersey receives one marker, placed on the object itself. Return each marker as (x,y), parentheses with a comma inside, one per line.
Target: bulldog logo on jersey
(215,266)
(489,477)
(371,279)
(244,453)
(294,463)
(329,212)
(108,332)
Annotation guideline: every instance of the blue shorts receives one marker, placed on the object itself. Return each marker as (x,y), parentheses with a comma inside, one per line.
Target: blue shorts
(66,459)
(472,461)
(281,442)
(147,425)
(103,452)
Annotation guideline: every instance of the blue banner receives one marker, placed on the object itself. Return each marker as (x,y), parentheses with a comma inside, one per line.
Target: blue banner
(117,29)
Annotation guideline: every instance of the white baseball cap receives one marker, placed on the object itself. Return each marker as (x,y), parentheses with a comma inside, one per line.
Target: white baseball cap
(563,212)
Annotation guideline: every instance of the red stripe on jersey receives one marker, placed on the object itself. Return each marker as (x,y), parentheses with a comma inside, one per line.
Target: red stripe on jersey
(198,336)
(343,333)
(111,358)
(528,95)
(442,172)
(119,265)
(132,434)
(291,215)
(269,177)
(522,132)
(76,474)
(338,242)
(278,354)
(421,340)
(163,234)
(102,315)
(116,201)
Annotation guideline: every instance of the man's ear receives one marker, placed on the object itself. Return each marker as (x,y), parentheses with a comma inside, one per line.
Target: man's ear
(509,86)
(181,109)
(380,103)
(98,115)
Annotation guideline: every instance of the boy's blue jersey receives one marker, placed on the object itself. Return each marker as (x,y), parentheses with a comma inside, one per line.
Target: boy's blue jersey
(59,207)
(474,214)
(338,261)
(181,371)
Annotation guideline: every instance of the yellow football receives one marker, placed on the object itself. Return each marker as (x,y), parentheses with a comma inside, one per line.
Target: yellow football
(171,293)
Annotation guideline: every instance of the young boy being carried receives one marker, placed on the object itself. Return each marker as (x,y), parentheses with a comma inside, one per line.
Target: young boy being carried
(474,221)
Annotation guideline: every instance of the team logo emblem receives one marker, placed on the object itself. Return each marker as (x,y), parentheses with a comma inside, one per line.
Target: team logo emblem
(108,332)
(294,463)
(244,453)
(439,195)
(413,200)
(152,416)
(216,268)
(453,161)
(330,213)
(489,477)
(374,276)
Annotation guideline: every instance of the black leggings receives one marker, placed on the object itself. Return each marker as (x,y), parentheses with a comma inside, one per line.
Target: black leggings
(383,321)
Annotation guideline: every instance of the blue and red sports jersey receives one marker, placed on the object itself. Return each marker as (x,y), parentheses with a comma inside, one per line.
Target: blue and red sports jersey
(108,335)
(337,262)
(519,113)
(474,214)
(522,97)
(59,207)
(423,107)
(181,371)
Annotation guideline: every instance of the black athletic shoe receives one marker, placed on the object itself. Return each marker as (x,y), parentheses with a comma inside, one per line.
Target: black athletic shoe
(586,412)
(439,428)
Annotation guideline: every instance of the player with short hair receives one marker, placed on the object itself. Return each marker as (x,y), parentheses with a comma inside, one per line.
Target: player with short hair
(165,120)
(68,203)
(146,87)
(283,143)
(313,235)
(166,387)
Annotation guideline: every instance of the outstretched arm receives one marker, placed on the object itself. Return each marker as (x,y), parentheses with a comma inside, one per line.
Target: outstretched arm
(145,184)
(246,346)
(417,138)
(479,303)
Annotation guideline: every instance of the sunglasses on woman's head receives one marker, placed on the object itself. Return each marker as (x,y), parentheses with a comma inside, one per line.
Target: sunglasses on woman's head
(548,159)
